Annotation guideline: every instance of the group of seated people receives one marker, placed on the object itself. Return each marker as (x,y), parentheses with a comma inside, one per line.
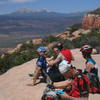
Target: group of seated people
(63,74)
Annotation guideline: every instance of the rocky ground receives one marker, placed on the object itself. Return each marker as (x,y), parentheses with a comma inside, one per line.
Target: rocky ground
(13,84)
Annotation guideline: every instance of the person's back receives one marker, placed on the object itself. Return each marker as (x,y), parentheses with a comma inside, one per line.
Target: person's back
(94,68)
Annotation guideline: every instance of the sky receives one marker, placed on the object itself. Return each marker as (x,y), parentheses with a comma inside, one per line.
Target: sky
(63,6)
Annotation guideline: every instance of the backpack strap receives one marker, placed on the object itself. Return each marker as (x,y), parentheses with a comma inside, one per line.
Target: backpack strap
(83,89)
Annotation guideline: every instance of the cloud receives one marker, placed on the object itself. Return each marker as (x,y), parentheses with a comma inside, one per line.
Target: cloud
(3,2)
(21,1)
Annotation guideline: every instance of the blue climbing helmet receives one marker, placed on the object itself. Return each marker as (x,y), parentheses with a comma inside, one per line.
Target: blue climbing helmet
(41,49)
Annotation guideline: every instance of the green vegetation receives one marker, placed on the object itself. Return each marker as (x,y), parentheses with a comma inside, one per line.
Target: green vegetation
(28,50)
(92,38)
(75,27)
(97,11)
(50,39)
(1,52)
(26,53)
(72,29)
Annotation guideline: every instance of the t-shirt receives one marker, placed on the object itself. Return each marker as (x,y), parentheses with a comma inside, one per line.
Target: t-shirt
(41,62)
(91,60)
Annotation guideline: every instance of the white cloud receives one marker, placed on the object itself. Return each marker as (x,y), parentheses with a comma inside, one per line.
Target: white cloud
(15,1)
(20,1)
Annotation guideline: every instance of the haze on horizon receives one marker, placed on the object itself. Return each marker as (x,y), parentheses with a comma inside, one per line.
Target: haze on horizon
(63,6)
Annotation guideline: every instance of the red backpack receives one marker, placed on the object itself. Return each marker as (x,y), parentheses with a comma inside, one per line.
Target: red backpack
(80,87)
(67,54)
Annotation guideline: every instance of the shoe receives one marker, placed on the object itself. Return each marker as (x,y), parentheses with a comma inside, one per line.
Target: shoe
(31,75)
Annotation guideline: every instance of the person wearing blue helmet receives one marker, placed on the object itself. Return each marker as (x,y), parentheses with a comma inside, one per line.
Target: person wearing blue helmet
(42,66)
(41,63)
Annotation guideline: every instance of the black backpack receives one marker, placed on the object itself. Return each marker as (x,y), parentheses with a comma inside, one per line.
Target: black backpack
(94,82)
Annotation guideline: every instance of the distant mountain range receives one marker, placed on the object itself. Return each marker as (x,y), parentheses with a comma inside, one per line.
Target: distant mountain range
(25,12)
(26,23)
(32,22)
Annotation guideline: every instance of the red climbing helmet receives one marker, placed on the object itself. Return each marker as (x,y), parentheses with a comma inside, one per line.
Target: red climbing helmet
(86,48)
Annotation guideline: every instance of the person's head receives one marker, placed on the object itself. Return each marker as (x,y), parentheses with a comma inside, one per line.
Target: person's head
(71,72)
(42,51)
(68,71)
(60,46)
(86,51)
(56,50)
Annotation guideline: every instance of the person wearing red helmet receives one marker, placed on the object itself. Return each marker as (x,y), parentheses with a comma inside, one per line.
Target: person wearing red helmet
(90,62)
(91,69)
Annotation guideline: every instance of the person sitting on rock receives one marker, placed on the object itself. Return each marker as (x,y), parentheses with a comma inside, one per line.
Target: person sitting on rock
(90,62)
(41,63)
(79,84)
(91,69)
(61,54)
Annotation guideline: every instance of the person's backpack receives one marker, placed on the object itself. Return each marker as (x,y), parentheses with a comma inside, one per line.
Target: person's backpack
(80,86)
(94,83)
(50,94)
(83,85)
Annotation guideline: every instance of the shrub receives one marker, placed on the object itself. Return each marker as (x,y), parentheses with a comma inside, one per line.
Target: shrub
(75,27)
(97,11)
(92,38)
(50,39)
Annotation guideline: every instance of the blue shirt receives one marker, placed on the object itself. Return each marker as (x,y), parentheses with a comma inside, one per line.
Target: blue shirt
(91,60)
(93,70)
(41,62)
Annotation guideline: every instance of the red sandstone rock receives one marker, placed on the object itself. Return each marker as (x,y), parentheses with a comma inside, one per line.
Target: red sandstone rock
(91,21)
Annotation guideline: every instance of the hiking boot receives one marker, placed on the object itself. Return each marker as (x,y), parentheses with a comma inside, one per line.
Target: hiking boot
(31,75)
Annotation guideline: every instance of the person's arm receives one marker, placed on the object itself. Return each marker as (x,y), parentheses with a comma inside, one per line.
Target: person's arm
(89,66)
(53,62)
(62,84)
(72,57)
(36,74)
(49,59)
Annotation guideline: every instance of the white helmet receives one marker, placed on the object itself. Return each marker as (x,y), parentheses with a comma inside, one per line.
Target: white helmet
(64,66)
